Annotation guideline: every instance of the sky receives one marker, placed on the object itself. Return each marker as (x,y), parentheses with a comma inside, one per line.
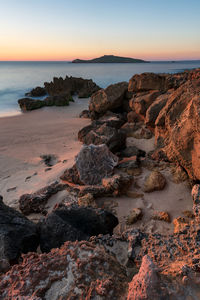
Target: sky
(69,29)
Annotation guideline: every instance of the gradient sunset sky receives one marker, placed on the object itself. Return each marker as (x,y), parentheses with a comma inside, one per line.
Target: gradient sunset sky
(65,30)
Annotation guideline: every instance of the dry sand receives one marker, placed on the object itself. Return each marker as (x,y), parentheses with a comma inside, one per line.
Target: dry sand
(23,138)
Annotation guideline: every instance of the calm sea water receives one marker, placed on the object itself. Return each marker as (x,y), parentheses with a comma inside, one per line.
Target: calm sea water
(17,78)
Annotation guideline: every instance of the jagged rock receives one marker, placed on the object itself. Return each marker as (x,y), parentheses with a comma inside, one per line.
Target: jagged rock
(146,284)
(85,114)
(17,235)
(178,125)
(155,181)
(71,175)
(161,216)
(180,225)
(111,119)
(79,270)
(179,175)
(196,201)
(109,98)
(94,163)
(71,223)
(147,82)
(142,101)
(36,92)
(117,184)
(155,108)
(102,134)
(35,203)
(129,129)
(30,104)
(60,100)
(86,200)
(133,117)
(134,216)
(84,87)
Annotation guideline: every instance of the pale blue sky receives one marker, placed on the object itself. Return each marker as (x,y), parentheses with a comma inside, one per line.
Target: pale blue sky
(63,29)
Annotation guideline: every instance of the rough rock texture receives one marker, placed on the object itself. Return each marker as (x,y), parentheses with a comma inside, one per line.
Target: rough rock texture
(71,175)
(102,134)
(196,201)
(117,184)
(161,216)
(30,104)
(155,181)
(147,82)
(59,86)
(134,216)
(17,235)
(146,284)
(36,92)
(94,163)
(78,270)
(109,98)
(71,223)
(35,203)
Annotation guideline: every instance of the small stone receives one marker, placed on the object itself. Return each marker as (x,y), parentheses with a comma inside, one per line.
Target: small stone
(155,181)
(134,216)
(86,200)
(161,216)
(133,194)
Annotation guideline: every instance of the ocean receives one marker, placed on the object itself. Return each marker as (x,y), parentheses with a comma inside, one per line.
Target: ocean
(17,78)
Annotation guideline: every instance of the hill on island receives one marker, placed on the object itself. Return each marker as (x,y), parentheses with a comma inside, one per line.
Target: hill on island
(110,59)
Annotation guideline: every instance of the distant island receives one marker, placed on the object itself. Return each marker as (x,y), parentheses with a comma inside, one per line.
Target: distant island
(110,59)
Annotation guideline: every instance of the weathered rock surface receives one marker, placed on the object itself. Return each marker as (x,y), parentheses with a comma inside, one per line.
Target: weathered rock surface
(71,223)
(147,82)
(71,85)
(109,98)
(30,104)
(134,216)
(37,92)
(17,235)
(35,203)
(94,163)
(155,181)
(71,175)
(161,216)
(78,270)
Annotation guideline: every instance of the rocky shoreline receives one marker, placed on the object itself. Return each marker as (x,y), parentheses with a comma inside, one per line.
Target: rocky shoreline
(143,142)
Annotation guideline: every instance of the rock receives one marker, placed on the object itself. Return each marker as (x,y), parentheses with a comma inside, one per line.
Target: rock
(49,159)
(117,184)
(147,82)
(134,194)
(129,129)
(83,87)
(102,134)
(110,98)
(36,92)
(132,151)
(180,225)
(94,163)
(78,270)
(161,216)
(71,223)
(30,104)
(179,175)
(142,101)
(35,203)
(60,100)
(196,201)
(86,200)
(155,181)
(130,166)
(112,119)
(146,284)
(134,216)
(17,235)
(85,114)
(178,124)
(133,117)
(71,175)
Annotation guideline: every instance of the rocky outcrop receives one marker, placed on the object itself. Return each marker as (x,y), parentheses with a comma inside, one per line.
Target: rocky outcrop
(37,92)
(147,82)
(110,98)
(17,235)
(27,104)
(71,85)
(78,270)
(71,223)
(94,163)
(35,203)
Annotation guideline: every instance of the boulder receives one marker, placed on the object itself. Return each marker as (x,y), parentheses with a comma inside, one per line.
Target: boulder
(35,203)
(79,270)
(36,92)
(147,82)
(94,163)
(30,104)
(154,109)
(59,86)
(71,223)
(146,284)
(117,184)
(155,181)
(102,134)
(71,175)
(110,98)
(17,235)
(60,100)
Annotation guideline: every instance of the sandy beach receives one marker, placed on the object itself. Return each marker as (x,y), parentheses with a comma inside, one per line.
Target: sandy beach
(24,138)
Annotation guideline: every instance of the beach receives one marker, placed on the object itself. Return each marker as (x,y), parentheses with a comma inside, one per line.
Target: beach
(24,138)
